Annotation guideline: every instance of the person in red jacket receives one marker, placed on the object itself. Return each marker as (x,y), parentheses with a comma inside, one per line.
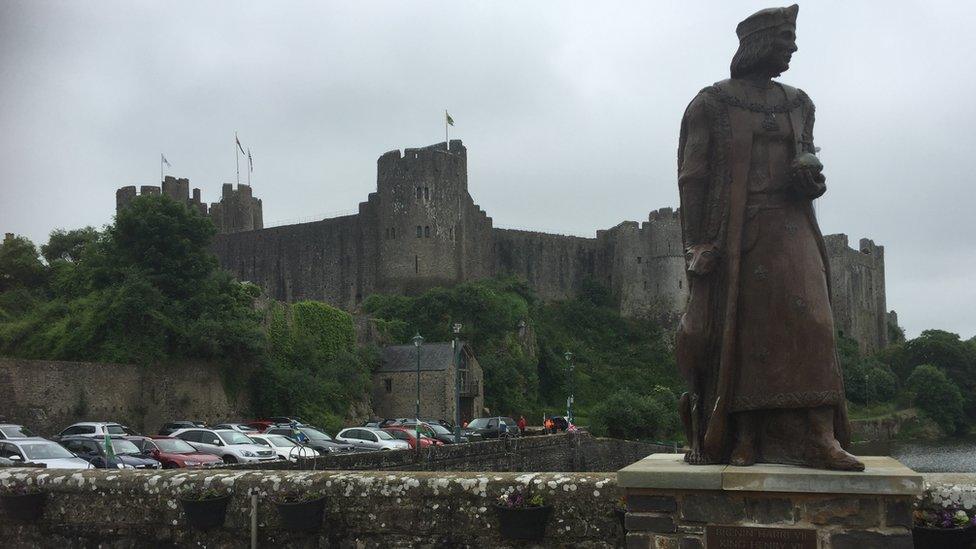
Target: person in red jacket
(521,425)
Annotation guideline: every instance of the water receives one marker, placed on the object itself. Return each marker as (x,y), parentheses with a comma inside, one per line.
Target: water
(938,456)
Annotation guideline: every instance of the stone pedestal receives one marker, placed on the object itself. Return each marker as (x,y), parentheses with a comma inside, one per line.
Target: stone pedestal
(671,504)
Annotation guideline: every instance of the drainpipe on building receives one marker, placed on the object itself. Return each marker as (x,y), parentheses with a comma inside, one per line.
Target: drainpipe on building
(457,383)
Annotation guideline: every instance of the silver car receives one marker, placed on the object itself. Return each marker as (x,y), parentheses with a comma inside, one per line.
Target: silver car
(39,450)
(371,439)
(231,446)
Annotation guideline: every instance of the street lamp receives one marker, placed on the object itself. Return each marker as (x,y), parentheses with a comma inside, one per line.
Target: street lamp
(418,340)
(457,382)
(572,389)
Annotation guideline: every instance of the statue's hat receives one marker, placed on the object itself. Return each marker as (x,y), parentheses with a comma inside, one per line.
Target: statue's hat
(766,19)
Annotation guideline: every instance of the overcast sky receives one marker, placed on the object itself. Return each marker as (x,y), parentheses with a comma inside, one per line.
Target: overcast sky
(569,110)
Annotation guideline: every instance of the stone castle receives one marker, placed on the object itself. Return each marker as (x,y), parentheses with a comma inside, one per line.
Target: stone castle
(421,228)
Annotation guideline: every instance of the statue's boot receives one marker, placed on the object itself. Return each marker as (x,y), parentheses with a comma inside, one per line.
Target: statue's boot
(827,448)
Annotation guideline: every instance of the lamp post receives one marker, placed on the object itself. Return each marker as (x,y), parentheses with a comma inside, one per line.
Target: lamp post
(457,382)
(572,388)
(418,340)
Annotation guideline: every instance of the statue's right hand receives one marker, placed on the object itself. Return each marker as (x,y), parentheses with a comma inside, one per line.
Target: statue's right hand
(702,258)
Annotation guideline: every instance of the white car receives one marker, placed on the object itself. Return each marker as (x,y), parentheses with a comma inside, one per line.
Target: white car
(371,439)
(39,450)
(231,446)
(285,447)
(95,429)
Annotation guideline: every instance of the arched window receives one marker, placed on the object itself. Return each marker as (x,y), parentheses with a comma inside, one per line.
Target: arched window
(427,231)
(387,233)
(420,231)
(419,195)
(679,283)
(426,193)
(638,260)
(393,233)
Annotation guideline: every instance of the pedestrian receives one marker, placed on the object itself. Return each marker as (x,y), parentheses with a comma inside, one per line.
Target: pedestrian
(521,425)
(548,425)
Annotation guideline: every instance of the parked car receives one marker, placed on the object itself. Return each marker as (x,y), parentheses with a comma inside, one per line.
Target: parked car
(11,430)
(173,452)
(285,447)
(371,439)
(169,428)
(95,429)
(410,436)
(230,446)
(38,450)
(92,450)
(491,427)
(311,436)
(239,427)
(433,430)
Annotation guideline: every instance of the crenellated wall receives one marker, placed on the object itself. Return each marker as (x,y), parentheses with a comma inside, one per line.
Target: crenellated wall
(236,211)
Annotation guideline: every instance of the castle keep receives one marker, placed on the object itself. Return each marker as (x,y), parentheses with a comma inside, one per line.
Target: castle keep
(421,229)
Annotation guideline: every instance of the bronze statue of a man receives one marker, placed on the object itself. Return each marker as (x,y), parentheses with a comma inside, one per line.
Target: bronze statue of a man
(756,343)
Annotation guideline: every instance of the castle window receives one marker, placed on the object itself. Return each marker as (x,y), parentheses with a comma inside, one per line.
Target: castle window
(416,264)
(645,284)
(638,260)
(427,231)
(452,233)
(420,231)
(387,233)
(393,233)
(418,193)
(389,385)
(679,283)
(426,193)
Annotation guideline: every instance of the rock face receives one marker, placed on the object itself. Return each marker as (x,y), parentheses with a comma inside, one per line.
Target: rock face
(421,228)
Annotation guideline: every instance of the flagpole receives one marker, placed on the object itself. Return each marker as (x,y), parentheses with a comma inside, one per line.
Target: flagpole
(249,166)
(446,138)
(237,158)
(160,168)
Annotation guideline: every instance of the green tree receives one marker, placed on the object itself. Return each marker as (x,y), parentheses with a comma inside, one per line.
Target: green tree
(20,265)
(937,397)
(944,350)
(65,245)
(146,290)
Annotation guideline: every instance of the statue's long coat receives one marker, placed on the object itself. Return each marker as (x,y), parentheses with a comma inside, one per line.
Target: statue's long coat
(714,155)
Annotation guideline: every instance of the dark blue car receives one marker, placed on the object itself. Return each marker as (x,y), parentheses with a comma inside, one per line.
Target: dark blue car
(92,450)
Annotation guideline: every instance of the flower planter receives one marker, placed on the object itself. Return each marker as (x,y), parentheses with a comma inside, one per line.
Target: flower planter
(523,522)
(303,516)
(943,538)
(205,513)
(26,507)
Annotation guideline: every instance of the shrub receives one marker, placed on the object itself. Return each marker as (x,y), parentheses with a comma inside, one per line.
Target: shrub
(625,414)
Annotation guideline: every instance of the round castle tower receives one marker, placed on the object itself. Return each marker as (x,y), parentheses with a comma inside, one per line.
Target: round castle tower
(423,196)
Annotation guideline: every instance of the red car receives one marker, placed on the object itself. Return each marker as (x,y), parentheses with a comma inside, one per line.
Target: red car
(173,452)
(410,435)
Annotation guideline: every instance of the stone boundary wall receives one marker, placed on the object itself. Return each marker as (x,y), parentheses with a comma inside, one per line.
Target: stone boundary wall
(393,509)
(47,396)
(363,509)
(562,452)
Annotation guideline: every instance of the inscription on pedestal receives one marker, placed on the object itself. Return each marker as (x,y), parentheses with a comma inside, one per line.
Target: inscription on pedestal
(746,537)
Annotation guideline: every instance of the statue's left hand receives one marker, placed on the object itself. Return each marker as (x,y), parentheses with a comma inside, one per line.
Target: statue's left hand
(808,178)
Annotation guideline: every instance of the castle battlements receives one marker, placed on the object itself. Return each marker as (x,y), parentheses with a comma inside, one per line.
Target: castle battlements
(236,211)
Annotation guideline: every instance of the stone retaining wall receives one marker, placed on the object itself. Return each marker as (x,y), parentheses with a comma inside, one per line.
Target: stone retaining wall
(363,509)
(48,395)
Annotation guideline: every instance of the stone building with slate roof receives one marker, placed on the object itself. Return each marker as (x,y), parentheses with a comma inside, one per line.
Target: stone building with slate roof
(395,382)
